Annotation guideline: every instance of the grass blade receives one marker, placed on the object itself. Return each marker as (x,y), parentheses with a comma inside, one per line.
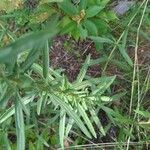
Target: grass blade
(122,49)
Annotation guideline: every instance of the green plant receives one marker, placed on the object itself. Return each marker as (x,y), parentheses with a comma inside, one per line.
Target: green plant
(86,19)
(72,99)
(40,107)
(24,82)
(81,20)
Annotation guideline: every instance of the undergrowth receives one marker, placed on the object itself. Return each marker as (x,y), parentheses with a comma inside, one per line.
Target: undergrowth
(40,108)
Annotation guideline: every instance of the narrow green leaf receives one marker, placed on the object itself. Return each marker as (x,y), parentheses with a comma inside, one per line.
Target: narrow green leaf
(81,85)
(98,39)
(62,128)
(103,84)
(6,141)
(9,112)
(39,70)
(31,146)
(145,114)
(30,41)
(83,70)
(46,60)
(69,126)
(41,141)
(97,122)
(122,49)
(40,102)
(32,56)
(5,97)
(24,108)
(72,114)
(86,120)
(106,99)
(19,121)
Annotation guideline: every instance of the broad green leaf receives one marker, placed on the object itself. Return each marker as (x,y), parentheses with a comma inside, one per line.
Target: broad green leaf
(91,27)
(98,46)
(86,120)
(68,8)
(75,33)
(103,2)
(64,21)
(83,4)
(83,32)
(72,114)
(69,28)
(111,16)
(101,25)
(93,11)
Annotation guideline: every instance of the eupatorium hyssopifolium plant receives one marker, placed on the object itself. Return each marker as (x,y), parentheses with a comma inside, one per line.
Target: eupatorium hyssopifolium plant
(24,84)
